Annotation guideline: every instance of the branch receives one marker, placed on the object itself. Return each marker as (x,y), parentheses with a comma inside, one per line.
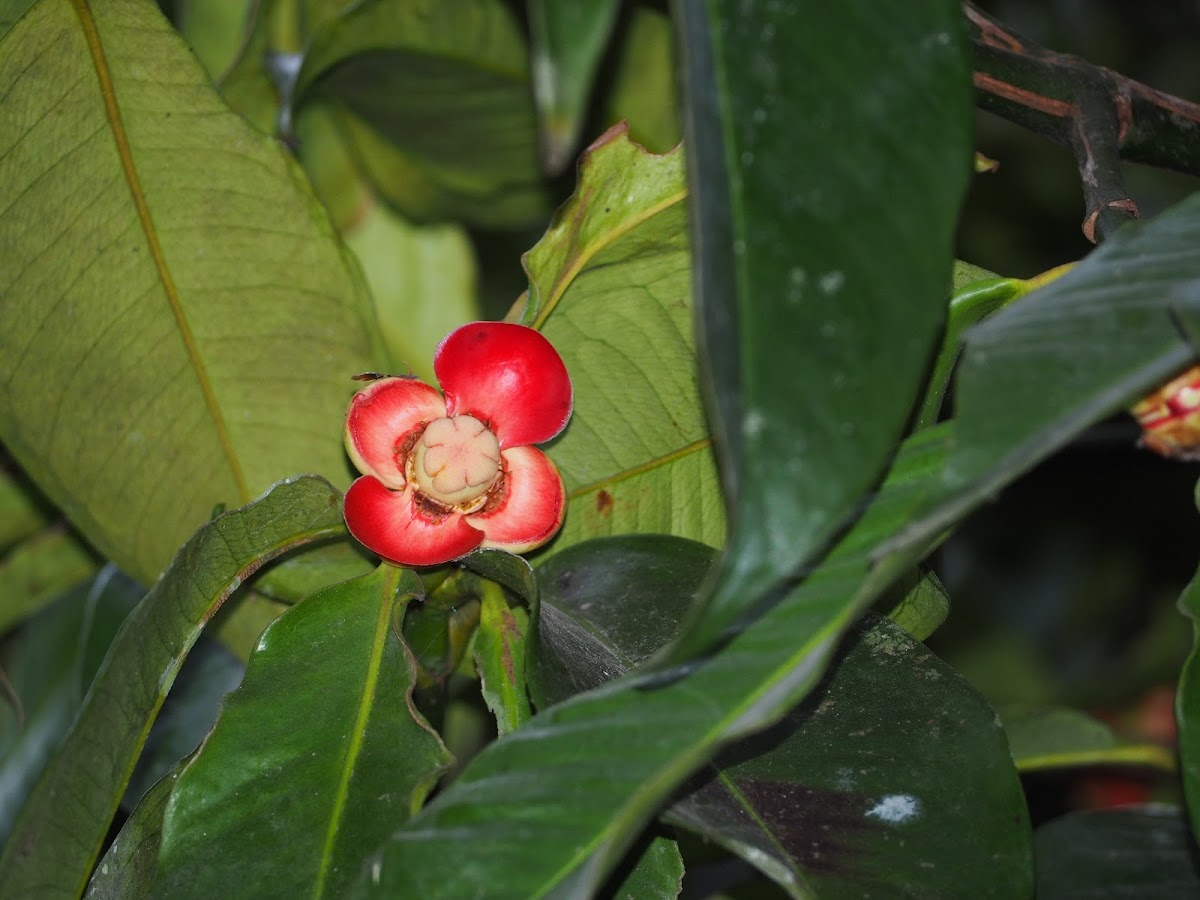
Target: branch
(1101,115)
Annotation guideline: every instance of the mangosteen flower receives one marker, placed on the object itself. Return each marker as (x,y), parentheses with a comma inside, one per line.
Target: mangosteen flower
(442,476)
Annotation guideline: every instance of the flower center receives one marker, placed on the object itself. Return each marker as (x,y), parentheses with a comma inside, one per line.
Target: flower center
(456,460)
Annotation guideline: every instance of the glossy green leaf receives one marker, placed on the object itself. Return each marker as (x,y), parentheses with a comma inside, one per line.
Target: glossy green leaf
(1089,343)
(924,606)
(644,92)
(1139,853)
(861,790)
(609,285)
(811,293)
(500,659)
(177,320)
(436,101)
(35,572)
(553,806)
(50,662)
(58,836)
(128,866)
(1059,737)
(568,42)
(334,753)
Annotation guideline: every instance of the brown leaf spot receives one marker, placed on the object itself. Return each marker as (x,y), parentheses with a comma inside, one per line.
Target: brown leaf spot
(604,502)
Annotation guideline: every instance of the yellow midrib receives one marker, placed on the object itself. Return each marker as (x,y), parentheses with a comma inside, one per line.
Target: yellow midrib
(116,124)
(633,471)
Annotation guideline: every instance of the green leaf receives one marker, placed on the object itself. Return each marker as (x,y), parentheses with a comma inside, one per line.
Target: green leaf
(49,663)
(59,834)
(1089,343)
(568,42)
(309,569)
(924,606)
(812,292)
(861,790)
(609,285)
(215,31)
(128,866)
(177,320)
(436,103)
(1142,851)
(1059,737)
(644,92)
(38,570)
(977,293)
(657,873)
(500,658)
(553,806)
(334,752)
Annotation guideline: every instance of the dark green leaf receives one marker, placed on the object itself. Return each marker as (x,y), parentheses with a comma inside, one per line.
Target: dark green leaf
(656,873)
(436,101)
(309,569)
(813,293)
(1137,853)
(860,790)
(178,323)
(568,41)
(318,756)
(58,836)
(553,806)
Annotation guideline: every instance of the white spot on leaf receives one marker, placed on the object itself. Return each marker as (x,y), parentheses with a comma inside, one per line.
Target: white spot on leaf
(896,809)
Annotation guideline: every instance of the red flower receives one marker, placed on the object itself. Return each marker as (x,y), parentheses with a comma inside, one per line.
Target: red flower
(444,476)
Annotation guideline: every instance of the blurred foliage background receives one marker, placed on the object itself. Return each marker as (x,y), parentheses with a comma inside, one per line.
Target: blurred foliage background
(1064,589)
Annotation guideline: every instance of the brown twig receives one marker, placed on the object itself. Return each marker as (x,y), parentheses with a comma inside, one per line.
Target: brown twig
(1101,115)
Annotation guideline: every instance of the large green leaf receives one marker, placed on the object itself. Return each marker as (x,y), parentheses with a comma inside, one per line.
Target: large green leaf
(819,301)
(609,285)
(551,807)
(58,836)
(568,41)
(49,664)
(435,99)
(1089,343)
(1139,853)
(865,788)
(177,320)
(319,763)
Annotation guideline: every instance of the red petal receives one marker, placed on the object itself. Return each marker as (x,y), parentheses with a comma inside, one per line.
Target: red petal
(380,417)
(533,506)
(396,526)
(507,376)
